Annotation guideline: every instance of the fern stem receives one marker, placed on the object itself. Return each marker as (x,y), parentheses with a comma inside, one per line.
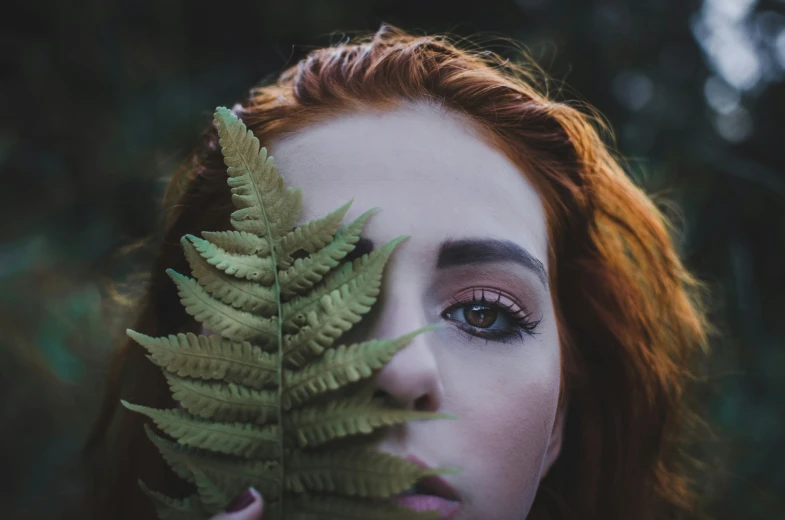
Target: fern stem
(277,293)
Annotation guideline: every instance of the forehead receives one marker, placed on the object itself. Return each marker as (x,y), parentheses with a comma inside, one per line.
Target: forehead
(427,169)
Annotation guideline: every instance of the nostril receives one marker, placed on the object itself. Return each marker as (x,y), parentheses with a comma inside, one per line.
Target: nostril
(422,403)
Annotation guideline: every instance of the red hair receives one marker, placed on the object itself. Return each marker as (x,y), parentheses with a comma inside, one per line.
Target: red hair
(631,318)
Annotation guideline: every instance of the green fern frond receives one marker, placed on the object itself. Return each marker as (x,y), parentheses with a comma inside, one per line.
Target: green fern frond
(341,366)
(241,294)
(174,454)
(232,478)
(364,274)
(265,207)
(262,474)
(211,357)
(224,402)
(310,237)
(319,424)
(354,472)
(238,242)
(341,309)
(175,509)
(265,399)
(243,266)
(212,495)
(240,439)
(307,272)
(221,318)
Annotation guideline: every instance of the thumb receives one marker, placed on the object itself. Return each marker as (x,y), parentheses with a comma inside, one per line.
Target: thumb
(248,506)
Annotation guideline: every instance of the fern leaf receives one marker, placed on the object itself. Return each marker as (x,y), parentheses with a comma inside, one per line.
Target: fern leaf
(306,272)
(319,424)
(211,357)
(257,189)
(310,237)
(238,242)
(175,509)
(364,274)
(219,477)
(244,440)
(245,295)
(263,475)
(353,472)
(213,497)
(341,366)
(221,402)
(221,318)
(173,453)
(248,267)
(341,309)
(233,477)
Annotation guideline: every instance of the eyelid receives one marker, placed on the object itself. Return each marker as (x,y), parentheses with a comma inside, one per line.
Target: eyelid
(493,295)
(522,324)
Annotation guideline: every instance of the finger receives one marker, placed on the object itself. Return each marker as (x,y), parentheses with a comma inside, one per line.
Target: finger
(247,506)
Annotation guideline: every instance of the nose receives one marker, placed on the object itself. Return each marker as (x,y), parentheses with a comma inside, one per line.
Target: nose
(411,379)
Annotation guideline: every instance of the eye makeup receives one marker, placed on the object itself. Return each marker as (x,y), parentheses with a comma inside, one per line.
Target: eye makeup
(490,314)
(495,301)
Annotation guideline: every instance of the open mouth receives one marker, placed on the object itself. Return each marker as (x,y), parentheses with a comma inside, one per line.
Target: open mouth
(432,486)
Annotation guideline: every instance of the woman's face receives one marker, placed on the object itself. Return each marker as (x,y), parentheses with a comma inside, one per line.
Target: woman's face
(477,230)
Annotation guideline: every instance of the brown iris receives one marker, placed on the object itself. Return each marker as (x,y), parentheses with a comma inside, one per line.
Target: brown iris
(480,316)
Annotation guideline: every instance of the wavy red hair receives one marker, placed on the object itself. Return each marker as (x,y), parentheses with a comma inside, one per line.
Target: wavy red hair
(631,317)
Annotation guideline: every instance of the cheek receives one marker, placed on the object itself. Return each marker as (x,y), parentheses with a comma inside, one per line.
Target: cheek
(510,408)
(517,415)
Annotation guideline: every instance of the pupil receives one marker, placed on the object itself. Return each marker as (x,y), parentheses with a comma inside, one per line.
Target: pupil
(479,316)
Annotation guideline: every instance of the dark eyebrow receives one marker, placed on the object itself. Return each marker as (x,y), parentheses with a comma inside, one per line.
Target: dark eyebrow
(453,253)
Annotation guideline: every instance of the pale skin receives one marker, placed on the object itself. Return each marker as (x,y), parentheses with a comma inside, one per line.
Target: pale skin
(434,178)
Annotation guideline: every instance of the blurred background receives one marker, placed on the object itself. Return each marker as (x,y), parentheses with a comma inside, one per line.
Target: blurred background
(101,100)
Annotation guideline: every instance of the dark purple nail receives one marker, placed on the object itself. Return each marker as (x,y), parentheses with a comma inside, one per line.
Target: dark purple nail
(241,502)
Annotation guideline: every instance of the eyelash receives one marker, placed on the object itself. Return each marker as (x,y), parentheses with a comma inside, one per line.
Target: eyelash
(523,325)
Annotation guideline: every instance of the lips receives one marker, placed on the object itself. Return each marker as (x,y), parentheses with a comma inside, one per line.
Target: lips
(434,484)
(431,493)
(447,508)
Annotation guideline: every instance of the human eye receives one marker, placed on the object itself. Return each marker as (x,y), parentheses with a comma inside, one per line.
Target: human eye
(490,314)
